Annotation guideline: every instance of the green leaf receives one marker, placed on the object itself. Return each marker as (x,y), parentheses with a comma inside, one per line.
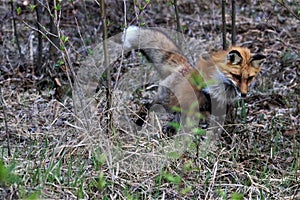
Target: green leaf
(174,155)
(176,109)
(170,3)
(34,196)
(198,81)
(186,190)
(57,7)
(19,10)
(101,159)
(6,175)
(237,196)
(90,51)
(100,182)
(175,179)
(243,110)
(80,193)
(32,7)
(64,38)
(109,23)
(59,63)
(62,48)
(199,131)
(175,125)
(222,193)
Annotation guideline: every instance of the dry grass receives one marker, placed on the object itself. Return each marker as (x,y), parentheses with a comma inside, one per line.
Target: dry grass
(59,152)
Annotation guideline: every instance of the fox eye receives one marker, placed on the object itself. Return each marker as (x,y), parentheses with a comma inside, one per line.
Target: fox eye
(237,77)
(250,78)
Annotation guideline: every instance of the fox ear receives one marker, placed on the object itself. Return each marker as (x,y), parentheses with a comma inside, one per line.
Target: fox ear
(257,59)
(234,57)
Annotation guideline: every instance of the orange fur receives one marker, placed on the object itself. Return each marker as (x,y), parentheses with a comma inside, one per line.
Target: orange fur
(227,74)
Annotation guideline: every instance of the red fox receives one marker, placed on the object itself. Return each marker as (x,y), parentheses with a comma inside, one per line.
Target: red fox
(227,73)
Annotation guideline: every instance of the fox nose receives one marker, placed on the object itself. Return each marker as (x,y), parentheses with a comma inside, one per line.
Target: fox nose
(243,95)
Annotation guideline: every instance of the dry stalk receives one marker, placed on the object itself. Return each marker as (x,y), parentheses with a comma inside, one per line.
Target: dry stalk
(233,28)
(38,64)
(15,28)
(283,4)
(53,29)
(5,122)
(224,23)
(106,66)
(177,17)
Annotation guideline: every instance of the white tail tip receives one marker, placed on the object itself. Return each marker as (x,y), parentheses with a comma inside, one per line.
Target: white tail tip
(130,35)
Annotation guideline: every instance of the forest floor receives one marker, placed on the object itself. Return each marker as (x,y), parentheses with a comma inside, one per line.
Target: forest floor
(50,150)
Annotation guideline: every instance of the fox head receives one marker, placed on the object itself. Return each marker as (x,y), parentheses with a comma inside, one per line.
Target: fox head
(237,68)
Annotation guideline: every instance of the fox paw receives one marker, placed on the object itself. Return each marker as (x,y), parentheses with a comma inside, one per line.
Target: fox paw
(169,131)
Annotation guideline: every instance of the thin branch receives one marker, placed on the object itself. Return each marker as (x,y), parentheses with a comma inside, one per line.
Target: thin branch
(106,65)
(5,122)
(233,15)
(177,16)
(224,24)
(122,52)
(15,28)
(53,29)
(38,67)
(283,4)
(44,35)
(139,11)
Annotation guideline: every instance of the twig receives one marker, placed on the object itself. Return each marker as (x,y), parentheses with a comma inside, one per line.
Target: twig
(283,4)
(38,67)
(177,16)
(122,52)
(45,35)
(140,11)
(224,24)
(233,31)
(295,149)
(5,122)
(53,29)
(15,28)
(106,65)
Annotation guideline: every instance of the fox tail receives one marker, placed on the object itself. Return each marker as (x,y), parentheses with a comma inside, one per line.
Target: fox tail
(157,47)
